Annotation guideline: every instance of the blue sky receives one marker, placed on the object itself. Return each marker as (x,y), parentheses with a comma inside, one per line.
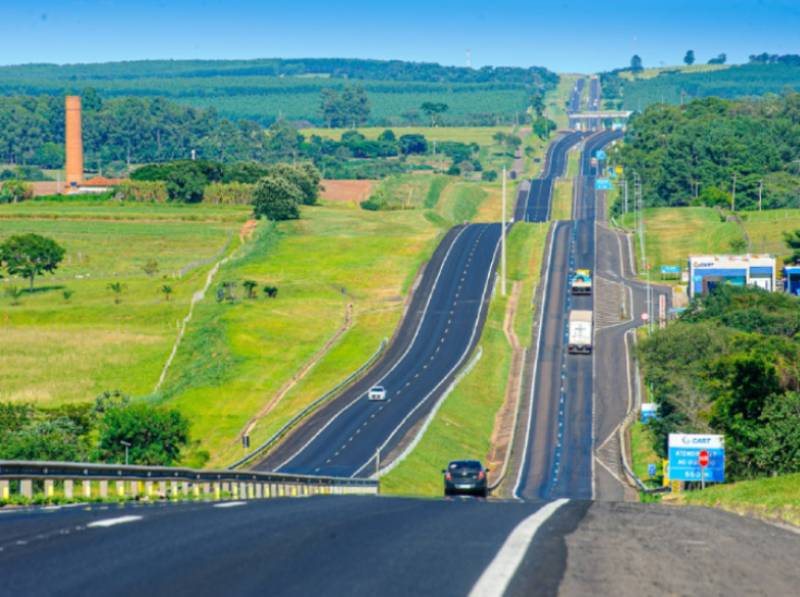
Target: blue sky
(563,35)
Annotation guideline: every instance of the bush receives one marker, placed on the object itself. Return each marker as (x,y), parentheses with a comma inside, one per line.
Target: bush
(489,175)
(156,435)
(13,191)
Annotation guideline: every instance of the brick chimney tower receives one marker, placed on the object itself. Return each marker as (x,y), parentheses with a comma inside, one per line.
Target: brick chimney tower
(74,142)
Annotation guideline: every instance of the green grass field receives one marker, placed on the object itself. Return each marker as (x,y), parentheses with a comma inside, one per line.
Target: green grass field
(562,199)
(482,135)
(774,498)
(650,73)
(672,234)
(464,424)
(56,350)
(556,100)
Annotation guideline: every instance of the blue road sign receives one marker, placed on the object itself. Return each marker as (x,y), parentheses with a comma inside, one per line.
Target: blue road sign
(684,457)
(600,155)
(651,470)
(602,184)
(670,269)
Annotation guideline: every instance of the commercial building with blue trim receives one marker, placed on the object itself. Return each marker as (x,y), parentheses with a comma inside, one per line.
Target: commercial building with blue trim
(708,271)
(791,279)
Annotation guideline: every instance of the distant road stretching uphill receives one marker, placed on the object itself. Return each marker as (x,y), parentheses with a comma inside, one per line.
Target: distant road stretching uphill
(536,207)
(575,96)
(436,337)
(558,461)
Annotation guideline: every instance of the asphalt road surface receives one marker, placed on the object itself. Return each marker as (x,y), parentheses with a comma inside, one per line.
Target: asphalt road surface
(559,444)
(575,96)
(537,206)
(435,339)
(391,546)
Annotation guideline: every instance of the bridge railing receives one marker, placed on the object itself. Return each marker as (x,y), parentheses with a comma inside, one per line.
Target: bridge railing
(76,480)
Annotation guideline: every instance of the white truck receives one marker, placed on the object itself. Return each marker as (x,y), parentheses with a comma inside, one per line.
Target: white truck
(580,332)
(582,281)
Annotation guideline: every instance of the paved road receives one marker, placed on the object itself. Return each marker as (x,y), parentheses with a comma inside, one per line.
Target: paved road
(437,336)
(536,208)
(559,442)
(392,546)
(574,104)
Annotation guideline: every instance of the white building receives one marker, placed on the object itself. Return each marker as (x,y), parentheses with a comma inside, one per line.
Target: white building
(708,271)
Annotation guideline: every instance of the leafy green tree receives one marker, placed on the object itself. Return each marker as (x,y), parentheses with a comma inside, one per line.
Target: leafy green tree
(186,184)
(250,286)
(543,127)
(413,143)
(67,294)
(636,64)
(792,240)
(30,255)
(434,111)
(150,267)
(14,191)
(537,103)
(277,198)
(166,290)
(738,245)
(721,58)
(156,435)
(283,141)
(305,177)
(57,440)
(117,288)
(387,136)
(688,59)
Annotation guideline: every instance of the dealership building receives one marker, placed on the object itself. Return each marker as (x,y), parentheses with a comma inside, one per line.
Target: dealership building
(791,279)
(708,271)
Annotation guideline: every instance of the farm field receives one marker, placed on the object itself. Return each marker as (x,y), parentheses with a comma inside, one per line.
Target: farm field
(672,234)
(464,424)
(94,343)
(482,135)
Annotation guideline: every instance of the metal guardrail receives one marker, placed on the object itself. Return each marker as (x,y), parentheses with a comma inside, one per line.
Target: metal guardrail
(309,409)
(134,480)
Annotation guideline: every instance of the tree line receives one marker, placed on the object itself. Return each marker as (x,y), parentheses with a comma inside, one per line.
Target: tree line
(731,365)
(704,152)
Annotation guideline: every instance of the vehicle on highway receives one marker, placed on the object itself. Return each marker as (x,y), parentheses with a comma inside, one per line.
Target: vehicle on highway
(466,477)
(377,393)
(582,282)
(580,332)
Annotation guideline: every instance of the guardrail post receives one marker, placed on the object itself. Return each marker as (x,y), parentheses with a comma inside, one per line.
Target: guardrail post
(162,489)
(243,490)
(173,489)
(273,490)
(103,489)
(217,491)
(206,490)
(49,488)
(120,489)
(148,489)
(69,488)
(87,488)
(5,490)
(26,488)
(251,490)
(134,488)
(259,490)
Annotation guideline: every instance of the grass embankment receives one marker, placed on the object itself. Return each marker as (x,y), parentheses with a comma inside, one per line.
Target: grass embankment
(774,498)
(642,453)
(674,233)
(59,348)
(556,100)
(237,357)
(649,73)
(562,199)
(464,424)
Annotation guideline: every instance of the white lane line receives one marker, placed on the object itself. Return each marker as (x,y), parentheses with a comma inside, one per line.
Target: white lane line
(110,522)
(229,504)
(497,576)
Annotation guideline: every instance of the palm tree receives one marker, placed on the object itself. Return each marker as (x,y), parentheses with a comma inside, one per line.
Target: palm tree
(167,290)
(116,288)
(250,286)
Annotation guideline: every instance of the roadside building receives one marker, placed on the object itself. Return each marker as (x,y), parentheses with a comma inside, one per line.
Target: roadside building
(708,271)
(791,279)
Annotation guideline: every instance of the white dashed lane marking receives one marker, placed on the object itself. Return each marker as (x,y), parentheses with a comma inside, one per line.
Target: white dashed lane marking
(110,522)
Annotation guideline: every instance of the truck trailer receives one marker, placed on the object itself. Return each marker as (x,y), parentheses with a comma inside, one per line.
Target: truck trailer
(580,332)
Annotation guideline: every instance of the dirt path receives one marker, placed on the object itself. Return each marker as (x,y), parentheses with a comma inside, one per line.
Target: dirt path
(505,420)
(297,377)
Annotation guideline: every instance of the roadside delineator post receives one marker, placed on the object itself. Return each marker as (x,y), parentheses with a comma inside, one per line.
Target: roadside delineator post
(68,488)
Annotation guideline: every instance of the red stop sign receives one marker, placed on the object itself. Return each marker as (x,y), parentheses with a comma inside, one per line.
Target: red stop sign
(703,458)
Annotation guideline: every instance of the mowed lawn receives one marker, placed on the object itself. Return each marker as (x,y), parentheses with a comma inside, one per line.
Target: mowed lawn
(58,349)
(236,357)
(674,233)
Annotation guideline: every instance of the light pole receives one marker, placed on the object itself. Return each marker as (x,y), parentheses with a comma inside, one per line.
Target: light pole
(127,445)
(503,240)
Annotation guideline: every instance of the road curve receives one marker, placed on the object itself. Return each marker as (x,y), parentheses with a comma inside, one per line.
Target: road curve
(436,338)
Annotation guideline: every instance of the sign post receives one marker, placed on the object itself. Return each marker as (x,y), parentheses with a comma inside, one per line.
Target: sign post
(702,460)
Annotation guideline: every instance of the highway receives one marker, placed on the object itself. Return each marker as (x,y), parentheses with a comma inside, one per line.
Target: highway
(435,338)
(393,546)
(575,96)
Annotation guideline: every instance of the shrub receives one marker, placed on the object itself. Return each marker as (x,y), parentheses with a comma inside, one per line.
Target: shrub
(231,193)
(142,190)
(277,199)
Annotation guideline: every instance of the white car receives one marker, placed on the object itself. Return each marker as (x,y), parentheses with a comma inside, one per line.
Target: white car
(377,393)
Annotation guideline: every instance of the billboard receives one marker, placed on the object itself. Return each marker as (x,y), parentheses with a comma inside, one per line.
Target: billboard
(684,457)
(602,184)
(649,411)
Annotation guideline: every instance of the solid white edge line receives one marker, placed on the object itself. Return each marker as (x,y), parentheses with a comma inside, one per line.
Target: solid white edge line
(110,522)
(229,504)
(485,298)
(396,364)
(542,311)
(497,576)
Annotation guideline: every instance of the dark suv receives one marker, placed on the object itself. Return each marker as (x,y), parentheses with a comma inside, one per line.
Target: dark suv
(465,477)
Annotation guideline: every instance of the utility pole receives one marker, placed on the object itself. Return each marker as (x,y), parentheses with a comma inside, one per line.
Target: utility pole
(503,240)
(760,192)
(127,445)
(625,183)
(733,194)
